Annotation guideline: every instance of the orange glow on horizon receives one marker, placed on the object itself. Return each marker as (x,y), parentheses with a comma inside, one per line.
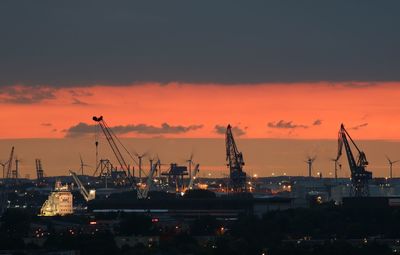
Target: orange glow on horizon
(251,107)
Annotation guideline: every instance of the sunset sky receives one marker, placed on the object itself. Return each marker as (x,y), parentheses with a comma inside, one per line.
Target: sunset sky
(168,70)
(302,111)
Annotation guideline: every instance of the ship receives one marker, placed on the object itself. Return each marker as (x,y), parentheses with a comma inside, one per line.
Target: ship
(59,202)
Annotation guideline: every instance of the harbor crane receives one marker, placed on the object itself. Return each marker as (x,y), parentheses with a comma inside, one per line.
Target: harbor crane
(359,175)
(235,163)
(87,195)
(111,139)
(39,170)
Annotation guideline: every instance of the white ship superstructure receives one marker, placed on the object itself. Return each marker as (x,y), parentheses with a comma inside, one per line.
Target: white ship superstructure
(59,202)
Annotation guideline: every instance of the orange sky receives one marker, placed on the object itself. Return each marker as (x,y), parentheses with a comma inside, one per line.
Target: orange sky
(250,107)
(375,108)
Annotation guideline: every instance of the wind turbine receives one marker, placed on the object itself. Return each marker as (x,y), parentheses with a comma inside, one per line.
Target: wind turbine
(309,161)
(190,163)
(391,163)
(335,160)
(82,164)
(140,156)
(3,164)
(15,173)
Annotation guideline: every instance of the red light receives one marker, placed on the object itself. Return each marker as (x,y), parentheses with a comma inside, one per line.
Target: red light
(154,220)
(93,223)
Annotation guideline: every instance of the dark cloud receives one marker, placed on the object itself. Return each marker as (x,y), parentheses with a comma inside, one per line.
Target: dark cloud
(78,102)
(317,122)
(360,85)
(79,93)
(105,42)
(285,125)
(46,124)
(237,131)
(26,94)
(359,126)
(82,129)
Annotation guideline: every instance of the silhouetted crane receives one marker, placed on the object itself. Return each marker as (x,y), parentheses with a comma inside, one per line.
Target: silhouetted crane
(235,163)
(39,170)
(111,139)
(359,176)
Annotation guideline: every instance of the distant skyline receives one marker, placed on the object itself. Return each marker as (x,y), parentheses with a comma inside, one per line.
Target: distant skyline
(262,156)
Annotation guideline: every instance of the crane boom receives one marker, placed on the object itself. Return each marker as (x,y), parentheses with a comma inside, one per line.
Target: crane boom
(87,195)
(235,162)
(359,175)
(114,147)
(143,194)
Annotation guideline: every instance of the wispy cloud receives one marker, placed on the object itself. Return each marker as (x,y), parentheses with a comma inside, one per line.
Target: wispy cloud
(76,101)
(282,124)
(82,129)
(26,94)
(359,126)
(80,93)
(317,122)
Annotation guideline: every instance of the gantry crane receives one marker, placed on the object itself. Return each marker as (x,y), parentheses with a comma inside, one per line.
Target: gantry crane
(111,137)
(359,176)
(235,163)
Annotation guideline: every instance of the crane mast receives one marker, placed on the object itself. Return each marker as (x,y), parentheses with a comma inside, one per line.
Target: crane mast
(359,175)
(235,163)
(114,147)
